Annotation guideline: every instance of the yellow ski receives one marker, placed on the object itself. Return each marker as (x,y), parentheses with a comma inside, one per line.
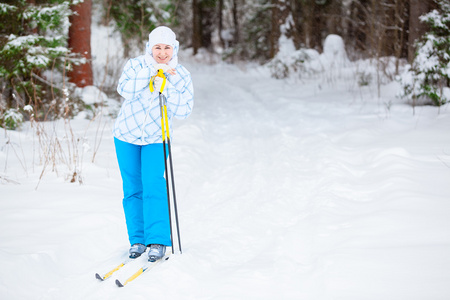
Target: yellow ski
(148,266)
(108,274)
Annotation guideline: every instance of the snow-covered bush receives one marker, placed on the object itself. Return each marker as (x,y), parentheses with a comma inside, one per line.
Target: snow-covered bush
(307,62)
(11,119)
(429,75)
(364,78)
(301,62)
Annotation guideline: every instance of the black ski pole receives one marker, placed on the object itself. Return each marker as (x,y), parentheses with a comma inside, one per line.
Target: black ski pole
(171,173)
(166,133)
(165,166)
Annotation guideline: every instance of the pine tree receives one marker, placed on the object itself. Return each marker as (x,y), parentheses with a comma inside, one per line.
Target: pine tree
(33,54)
(429,75)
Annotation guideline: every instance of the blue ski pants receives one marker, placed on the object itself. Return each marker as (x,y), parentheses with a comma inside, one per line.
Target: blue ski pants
(145,193)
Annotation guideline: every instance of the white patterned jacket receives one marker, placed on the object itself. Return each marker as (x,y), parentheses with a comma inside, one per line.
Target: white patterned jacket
(139,119)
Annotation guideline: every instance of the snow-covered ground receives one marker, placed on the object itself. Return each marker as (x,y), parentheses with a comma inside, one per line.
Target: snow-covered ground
(287,189)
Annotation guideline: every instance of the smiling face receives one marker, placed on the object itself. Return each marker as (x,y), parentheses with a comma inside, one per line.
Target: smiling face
(162,53)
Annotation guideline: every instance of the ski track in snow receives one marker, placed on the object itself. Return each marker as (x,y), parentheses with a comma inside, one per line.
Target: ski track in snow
(285,190)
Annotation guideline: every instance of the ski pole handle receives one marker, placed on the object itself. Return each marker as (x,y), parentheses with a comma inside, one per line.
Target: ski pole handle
(152,81)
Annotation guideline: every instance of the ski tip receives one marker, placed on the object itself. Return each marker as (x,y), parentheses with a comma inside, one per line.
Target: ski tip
(98,277)
(167,258)
(118,283)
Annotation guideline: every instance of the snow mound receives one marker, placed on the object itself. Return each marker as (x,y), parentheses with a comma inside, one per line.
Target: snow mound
(91,95)
(334,53)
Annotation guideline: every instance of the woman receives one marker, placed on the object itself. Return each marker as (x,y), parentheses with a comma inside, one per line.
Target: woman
(138,141)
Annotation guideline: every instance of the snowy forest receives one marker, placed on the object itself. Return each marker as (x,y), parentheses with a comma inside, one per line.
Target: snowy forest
(315,163)
(46,51)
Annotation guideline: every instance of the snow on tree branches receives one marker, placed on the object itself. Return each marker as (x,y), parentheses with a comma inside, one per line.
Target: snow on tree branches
(429,75)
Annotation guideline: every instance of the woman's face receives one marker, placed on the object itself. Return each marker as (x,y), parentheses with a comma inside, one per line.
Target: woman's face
(162,53)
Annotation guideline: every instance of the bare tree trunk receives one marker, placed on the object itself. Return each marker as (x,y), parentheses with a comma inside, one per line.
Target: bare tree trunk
(317,27)
(222,42)
(416,28)
(280,12)
(275,30)
(236,36)
(400,22)
(296,32)
(80,42)
(333,16)
(307,12)
(208,15)
(197,26)
(312,24)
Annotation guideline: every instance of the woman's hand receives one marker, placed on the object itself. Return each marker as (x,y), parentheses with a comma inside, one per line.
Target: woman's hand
(165,68)
(157,84)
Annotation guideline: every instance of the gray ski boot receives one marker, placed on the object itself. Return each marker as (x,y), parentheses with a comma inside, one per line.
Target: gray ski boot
(156,252)
(136,250)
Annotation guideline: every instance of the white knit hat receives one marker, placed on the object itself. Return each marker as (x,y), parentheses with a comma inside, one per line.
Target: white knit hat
(162,35)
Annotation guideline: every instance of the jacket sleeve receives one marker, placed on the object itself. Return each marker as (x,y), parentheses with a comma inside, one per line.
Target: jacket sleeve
(134,80)
(180,93)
